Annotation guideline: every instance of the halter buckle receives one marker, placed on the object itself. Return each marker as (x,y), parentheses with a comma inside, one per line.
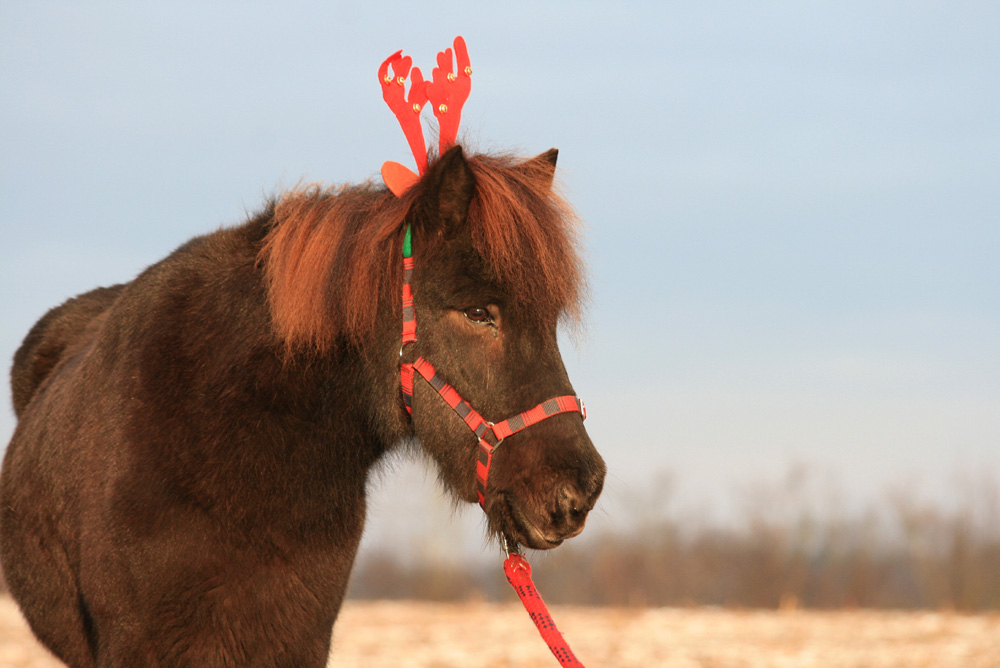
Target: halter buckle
(493,431)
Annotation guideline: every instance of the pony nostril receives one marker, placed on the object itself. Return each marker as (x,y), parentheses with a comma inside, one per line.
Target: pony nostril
(571,507)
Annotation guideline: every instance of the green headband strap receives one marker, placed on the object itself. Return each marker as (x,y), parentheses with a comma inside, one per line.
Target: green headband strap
(408,242)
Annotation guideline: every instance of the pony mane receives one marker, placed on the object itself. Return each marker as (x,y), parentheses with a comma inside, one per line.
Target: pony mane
(333,253)
(526,234)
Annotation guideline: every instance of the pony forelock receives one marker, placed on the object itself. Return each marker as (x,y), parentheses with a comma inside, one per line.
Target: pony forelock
(334,252)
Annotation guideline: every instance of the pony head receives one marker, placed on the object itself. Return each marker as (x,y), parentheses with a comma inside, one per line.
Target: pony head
(495,269)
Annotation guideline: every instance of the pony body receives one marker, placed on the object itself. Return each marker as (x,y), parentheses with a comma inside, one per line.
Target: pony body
(186,483)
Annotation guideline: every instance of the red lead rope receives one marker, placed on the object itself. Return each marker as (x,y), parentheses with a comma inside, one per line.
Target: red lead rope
(518,572)
(516,567)
(489,435)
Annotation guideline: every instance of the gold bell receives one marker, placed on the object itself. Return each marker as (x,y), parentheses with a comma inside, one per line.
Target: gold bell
(443,108)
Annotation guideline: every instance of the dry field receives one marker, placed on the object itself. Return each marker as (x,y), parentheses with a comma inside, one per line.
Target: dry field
(474,635)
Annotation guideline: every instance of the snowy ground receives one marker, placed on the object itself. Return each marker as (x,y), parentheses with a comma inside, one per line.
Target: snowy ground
(478,635)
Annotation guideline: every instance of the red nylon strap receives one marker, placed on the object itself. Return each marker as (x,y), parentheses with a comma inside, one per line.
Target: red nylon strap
(484,460)
(548,408)
(489,435)
(409,314)
(518,572)
(406,382)
(474,420)
(409,334)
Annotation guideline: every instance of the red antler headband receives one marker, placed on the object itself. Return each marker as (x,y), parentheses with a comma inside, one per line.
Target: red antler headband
(447,92)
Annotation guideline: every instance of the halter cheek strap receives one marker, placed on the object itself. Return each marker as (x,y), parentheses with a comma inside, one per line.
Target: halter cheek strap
(489,435)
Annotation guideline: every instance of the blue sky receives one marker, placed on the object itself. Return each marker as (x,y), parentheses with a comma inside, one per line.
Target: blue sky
(791,209)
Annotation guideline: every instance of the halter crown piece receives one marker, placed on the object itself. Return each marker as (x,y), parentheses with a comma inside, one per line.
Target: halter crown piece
(447,92)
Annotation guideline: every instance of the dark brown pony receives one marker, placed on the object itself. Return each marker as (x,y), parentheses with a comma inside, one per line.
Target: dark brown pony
(186,484)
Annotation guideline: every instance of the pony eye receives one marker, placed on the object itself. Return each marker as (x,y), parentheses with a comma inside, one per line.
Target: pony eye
(478,314)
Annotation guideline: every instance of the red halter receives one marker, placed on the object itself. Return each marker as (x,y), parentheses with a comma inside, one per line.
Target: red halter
(447,92)
(490,435)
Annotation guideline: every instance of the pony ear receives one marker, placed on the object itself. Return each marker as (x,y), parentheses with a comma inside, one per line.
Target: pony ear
(543,166)
(448,191)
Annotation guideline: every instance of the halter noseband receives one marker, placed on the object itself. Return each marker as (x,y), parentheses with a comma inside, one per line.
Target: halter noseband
(490,435)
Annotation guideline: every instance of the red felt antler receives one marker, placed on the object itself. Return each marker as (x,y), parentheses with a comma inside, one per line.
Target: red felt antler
(407,111)
(447,91)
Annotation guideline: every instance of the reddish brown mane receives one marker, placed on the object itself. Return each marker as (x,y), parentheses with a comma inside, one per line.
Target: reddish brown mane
(334,252)
(526,234)
(326,261)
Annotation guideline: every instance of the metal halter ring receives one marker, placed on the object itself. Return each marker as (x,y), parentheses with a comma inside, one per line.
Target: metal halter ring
(509,545)
(499,441)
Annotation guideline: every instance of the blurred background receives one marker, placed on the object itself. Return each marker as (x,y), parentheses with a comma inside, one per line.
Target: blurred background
(791,211)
